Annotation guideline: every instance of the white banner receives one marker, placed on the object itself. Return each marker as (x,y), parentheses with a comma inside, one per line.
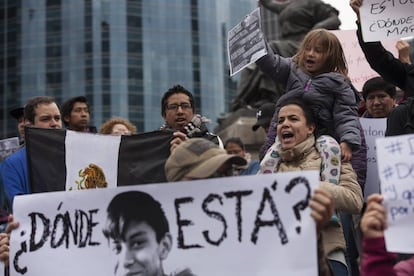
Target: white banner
(247,225)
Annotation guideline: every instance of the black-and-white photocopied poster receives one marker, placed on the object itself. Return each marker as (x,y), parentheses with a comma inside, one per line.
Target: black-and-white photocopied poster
(246,42)
(8,146)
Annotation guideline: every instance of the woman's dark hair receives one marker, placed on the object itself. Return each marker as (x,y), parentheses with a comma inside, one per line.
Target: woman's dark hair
(307,111)
(235,140)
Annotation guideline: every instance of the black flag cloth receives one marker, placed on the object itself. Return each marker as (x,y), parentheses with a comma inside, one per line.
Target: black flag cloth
(132,160)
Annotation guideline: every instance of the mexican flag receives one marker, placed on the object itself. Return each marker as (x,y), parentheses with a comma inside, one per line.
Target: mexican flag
(61,159)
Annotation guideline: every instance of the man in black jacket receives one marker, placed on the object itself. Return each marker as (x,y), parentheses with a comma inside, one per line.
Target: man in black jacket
(401,119)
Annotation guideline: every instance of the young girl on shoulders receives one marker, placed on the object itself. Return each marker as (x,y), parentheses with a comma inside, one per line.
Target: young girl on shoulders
(318,74)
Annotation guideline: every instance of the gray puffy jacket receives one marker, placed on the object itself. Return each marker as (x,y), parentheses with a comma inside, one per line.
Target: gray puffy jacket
(333,100)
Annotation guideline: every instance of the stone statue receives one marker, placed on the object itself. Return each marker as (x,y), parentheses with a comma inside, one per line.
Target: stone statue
(296,18)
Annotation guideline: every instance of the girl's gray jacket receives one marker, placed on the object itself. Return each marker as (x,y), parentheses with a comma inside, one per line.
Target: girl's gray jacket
(332,98)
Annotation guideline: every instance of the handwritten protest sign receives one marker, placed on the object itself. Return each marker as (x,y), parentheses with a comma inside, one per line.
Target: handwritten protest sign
(386,19)
(245,42)
(247,225)
(396,171)
(359,70)
(373,128)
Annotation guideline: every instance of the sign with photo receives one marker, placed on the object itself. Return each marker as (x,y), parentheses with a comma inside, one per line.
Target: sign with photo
(246,225)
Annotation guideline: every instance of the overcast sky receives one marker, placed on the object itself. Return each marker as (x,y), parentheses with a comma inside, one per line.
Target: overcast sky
(346,14)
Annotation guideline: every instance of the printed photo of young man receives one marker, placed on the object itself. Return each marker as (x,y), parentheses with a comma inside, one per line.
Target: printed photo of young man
(138,235)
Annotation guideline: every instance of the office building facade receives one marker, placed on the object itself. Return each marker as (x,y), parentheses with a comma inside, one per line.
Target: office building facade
(122,54)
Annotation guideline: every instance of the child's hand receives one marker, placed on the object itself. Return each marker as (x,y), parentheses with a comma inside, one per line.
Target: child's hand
(346,151)
(374,220)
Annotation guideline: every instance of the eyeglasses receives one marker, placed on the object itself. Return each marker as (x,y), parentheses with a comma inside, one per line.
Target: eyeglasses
(184,106)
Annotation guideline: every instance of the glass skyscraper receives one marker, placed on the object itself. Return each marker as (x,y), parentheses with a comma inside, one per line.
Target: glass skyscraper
(122,54)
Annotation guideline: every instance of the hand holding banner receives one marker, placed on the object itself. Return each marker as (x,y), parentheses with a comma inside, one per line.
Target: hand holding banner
(199,225)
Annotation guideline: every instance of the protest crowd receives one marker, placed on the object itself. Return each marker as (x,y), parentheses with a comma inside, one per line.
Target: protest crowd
(313,125)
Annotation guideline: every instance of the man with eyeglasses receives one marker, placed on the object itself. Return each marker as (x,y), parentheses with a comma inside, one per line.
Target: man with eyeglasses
(178,111)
